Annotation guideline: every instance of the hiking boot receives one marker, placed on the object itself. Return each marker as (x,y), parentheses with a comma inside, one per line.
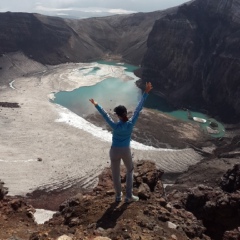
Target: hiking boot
(118,198)
(132,199)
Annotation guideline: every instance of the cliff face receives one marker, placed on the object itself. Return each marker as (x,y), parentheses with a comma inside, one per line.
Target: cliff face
(193,57)
(52,40)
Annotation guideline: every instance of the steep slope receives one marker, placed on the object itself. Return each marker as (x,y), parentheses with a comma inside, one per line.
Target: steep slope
(193,57)
(52,40)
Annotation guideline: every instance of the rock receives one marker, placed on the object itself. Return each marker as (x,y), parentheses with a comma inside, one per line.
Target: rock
(111,192)
(9,105)
(171,225)
(232,235)
(14,238)
(213,206)
(174,237)
(231,179)
(30,214)
(74,222)
(101,238)
(163,202)
(64,237)
(159,189)
(41,235)
(213,124)
(3,190)
(74,201)
(146,172)
(169,207)
(16,204)
(144,191)
(147,178)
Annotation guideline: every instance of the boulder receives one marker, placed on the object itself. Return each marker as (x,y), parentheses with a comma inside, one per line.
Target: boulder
(3,190)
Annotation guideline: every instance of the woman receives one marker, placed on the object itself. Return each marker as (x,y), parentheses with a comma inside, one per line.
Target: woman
(120,148)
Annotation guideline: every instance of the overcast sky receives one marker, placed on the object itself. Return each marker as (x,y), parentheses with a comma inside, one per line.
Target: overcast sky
(86,8)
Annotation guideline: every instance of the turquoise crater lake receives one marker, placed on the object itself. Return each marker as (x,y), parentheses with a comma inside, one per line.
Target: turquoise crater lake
(114,90)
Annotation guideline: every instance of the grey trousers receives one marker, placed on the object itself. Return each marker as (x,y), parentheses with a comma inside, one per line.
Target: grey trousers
(116,154)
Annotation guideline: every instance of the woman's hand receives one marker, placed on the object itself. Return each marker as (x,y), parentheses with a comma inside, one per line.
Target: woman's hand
(93,102)
(148,87)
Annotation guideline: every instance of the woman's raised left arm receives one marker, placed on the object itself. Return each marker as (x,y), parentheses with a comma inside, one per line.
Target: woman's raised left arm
(105,115)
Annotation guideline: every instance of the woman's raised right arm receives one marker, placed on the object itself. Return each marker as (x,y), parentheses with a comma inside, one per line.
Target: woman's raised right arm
(141,102)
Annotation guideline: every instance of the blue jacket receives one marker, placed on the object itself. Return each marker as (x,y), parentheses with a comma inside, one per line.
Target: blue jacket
(122,131)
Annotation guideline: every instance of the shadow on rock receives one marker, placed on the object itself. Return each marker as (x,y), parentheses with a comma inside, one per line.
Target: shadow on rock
(110,217)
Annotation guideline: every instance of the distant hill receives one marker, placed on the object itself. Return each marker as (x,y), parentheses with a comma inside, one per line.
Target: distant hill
(53,40)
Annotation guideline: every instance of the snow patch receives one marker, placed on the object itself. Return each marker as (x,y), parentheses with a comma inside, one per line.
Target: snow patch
(42,215)
(17,161)
(68,117)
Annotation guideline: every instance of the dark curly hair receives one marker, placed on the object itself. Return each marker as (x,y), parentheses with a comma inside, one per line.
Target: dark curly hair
(121,111)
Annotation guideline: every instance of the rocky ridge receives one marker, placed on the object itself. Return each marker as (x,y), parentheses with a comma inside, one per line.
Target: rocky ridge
(218,210)
(53,40)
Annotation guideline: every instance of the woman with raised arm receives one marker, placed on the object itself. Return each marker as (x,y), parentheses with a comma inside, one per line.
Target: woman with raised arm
(120,148)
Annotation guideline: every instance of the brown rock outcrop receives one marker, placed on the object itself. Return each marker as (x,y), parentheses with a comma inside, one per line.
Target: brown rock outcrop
(16,218)
(231,179)
(232,235)
(95,214)
(219,211)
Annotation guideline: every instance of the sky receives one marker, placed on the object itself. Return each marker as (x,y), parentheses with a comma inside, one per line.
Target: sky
(86,8)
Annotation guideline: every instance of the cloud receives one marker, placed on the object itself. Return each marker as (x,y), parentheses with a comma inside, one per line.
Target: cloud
(129,5)
(107,7)
(62,14)
(57,3)
(48,9)
(120,11)
(85,10)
